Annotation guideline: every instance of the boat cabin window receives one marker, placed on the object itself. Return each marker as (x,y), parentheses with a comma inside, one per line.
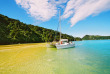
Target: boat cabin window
(63,42)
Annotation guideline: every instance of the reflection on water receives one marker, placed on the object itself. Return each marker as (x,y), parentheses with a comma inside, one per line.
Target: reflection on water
(88,57)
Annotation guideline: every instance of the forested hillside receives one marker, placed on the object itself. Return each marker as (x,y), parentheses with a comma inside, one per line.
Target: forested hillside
(13,31)
(95,37)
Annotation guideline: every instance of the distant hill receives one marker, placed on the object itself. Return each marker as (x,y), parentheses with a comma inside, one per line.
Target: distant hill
(95,37)
(13,31)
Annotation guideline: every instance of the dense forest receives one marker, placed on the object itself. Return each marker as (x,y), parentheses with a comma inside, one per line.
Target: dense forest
(13,31)
(77,39)
(95,37)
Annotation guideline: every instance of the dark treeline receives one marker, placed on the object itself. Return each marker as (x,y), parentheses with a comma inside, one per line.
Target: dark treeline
(77,39)
(13,31)
(95,37)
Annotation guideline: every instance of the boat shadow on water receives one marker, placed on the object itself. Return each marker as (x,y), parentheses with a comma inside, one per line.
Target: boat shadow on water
(67,48)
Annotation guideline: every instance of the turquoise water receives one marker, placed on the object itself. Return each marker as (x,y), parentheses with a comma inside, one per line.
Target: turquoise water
(95,54)
(87,57)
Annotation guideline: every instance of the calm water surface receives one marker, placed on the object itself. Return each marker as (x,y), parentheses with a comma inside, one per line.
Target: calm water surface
(88,57)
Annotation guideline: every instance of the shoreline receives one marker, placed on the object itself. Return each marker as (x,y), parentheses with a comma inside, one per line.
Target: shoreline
(20,46)
(42,42)
(22,43)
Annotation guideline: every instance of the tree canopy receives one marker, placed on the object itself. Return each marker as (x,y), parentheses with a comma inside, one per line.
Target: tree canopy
(95,37)
(13,31)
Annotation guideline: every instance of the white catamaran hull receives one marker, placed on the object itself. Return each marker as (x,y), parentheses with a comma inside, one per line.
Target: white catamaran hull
(65,46)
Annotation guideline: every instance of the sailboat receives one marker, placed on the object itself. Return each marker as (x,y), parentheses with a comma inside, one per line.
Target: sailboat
(63,43)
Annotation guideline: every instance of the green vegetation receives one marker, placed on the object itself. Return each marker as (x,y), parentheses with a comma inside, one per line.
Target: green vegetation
(95,37)
(13,31)
(77,39)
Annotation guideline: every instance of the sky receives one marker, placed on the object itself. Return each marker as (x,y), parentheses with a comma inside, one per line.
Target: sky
(78,17)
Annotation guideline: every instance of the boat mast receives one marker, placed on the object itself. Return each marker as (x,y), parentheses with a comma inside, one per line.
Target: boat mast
(60,24)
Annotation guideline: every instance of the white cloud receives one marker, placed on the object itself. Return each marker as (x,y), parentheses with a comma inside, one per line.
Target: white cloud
(80,9)
(44,10)
(39,9)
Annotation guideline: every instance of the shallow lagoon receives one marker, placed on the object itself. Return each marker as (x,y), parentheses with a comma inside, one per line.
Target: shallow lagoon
(88,57)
